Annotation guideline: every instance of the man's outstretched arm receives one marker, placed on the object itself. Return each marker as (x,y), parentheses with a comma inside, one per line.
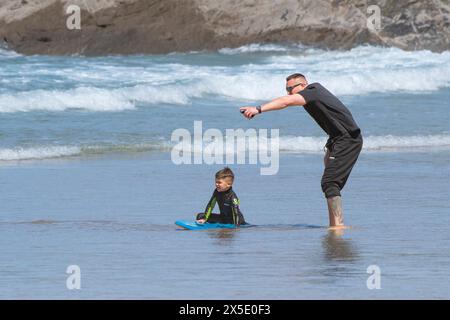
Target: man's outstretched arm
(276,104)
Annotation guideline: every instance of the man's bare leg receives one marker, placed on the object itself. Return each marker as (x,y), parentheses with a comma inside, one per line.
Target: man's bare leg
(335,212)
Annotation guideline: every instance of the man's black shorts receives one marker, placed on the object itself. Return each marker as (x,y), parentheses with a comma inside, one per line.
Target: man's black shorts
(344,151)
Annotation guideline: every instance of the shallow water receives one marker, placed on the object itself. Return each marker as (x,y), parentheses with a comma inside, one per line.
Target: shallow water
(110,218)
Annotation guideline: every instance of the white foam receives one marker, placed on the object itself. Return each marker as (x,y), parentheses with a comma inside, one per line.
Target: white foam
(6,53)
(288,144)
(300,144)
(406,143)
(37,153)
(359,71)
(160,145)
(371,143)
(88,98)
(111,84)
(49,152)
(371,69)
(259,47)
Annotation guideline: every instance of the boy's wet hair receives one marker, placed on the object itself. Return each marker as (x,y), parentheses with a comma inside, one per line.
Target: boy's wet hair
(225,173)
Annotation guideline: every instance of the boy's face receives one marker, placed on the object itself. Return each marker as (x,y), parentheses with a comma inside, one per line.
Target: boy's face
(223,184)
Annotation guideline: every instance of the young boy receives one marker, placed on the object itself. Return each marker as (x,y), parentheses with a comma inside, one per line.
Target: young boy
(227,200)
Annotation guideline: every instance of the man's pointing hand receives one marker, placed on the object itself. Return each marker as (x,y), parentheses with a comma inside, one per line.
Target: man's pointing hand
(249,112)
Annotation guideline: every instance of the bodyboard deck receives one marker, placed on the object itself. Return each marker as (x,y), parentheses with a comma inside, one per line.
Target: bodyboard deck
(192,225)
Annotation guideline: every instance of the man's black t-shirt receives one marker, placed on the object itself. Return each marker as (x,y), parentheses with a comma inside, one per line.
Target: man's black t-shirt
(330,113)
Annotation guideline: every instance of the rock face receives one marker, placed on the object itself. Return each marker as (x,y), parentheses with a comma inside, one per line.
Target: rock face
(162,26)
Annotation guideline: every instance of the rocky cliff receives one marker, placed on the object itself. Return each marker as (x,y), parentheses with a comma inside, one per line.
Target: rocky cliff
(161,26)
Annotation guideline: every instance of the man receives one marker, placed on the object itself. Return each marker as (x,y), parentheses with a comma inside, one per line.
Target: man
(344,143)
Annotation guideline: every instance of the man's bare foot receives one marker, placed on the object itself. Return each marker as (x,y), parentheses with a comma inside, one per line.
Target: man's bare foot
(338,230)
(340,227)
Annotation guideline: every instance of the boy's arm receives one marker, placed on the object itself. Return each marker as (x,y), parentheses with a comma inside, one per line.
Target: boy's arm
(210,206)
(277,104)
(235,210)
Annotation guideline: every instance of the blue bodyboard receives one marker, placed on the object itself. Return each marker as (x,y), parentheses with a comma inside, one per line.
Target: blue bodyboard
(192,225)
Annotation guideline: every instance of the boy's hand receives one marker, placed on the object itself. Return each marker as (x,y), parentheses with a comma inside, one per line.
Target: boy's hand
(249,112)
(201,221)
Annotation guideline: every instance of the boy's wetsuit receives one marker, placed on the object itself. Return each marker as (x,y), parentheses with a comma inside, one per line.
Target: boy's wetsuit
(229,209)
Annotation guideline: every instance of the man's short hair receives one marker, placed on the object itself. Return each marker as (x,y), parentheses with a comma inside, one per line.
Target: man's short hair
(225,173)
(295,76)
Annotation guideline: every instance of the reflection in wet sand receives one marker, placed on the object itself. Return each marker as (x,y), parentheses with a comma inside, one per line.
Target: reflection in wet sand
(338,248)
(222,236)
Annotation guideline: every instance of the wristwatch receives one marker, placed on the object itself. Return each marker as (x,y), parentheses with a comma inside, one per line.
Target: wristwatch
(259,109)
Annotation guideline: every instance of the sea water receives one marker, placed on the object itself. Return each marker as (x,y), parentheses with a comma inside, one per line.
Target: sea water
(87,178)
